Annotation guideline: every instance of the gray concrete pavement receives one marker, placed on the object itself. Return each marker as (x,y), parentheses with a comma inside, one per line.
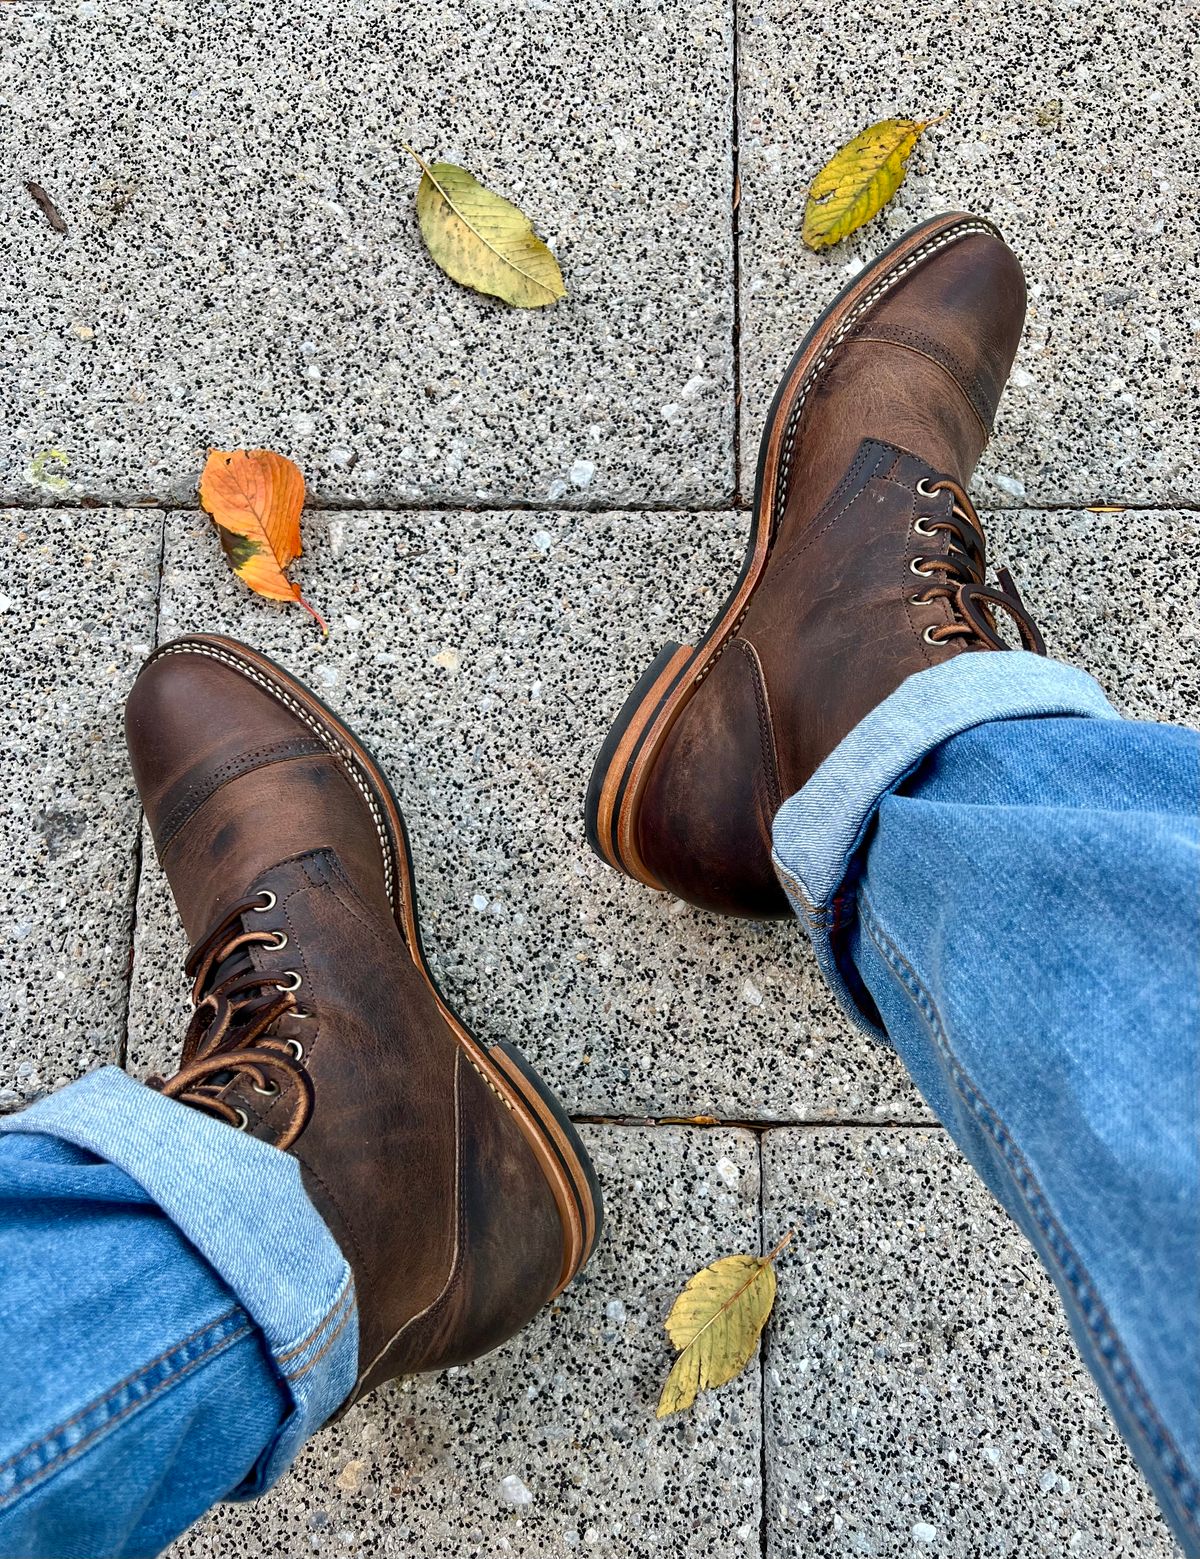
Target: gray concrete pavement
(243,267)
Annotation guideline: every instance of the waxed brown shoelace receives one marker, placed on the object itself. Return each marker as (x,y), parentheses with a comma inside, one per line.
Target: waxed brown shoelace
(961,580)
(229,1032)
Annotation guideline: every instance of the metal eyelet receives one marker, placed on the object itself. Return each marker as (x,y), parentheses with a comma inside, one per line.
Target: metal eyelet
(278,944)
(297,982)
(915,568)
(268,1092)
(925,490)
(922,526)
(928,636)
(265,893)
(243,1121)
(295,1046)
(918,600)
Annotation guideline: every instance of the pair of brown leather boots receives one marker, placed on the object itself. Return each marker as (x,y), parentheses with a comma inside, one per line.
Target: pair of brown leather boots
(450,1176)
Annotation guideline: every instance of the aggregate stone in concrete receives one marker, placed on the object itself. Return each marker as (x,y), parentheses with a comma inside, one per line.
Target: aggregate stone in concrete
(923,1394)
(243,267)
(549,1448)
(1115,594)
(482,658)
(76,618)
(1065,130)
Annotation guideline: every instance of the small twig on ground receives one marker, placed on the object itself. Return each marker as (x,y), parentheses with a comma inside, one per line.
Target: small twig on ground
(47,206)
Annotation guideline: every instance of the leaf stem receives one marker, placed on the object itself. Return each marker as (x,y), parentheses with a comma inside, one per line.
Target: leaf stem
(783,1244)
(312,612)
(417,158)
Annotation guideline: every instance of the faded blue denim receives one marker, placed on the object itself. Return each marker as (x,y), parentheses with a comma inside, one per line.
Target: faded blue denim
(996,872)
(1002,878)
(175,1320)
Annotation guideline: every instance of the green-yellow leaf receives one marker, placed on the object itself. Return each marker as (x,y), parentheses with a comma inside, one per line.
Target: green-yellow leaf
(715,1323)
(482,240)
(857,182)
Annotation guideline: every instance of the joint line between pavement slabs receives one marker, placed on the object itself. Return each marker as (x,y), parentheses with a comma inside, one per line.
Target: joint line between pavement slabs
(139,830)
(735,191)
(759,1127)
(764,1524)
(315,503)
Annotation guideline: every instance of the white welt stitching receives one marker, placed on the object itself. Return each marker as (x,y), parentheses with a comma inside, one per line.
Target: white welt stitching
(885,283)
(339,751)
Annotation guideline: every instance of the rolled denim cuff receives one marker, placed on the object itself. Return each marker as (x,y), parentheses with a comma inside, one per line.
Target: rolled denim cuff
(820,832)
(242,1204)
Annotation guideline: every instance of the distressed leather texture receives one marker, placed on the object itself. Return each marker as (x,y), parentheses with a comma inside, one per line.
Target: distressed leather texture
(831,628)
(429,1187)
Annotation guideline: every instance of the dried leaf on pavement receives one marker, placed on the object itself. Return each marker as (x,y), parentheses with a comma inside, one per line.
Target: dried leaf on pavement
(255,497)
(715,1323)
(858,181)
(482,240)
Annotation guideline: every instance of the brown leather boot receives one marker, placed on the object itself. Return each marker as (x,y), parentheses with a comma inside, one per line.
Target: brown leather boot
(865,564)
(447,1171)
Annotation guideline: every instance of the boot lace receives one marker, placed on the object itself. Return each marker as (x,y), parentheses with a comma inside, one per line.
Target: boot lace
(229,1032)
(959,578)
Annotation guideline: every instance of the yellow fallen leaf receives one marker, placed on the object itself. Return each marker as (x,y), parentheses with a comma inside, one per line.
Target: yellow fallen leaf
(858,181)
(715,1323)
(255,497)
(482,240)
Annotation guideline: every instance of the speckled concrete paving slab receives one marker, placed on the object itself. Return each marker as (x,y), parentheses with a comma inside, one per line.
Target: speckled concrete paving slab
(482,656)
(549,1447)
(243,264)
(1065,131)
(923,1394)
(76,618)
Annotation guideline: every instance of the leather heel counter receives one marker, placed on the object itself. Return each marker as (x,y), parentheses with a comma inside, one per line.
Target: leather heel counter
(704,822)
(509,1249)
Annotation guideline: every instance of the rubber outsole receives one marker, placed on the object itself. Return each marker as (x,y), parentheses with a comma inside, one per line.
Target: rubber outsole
(537,1112)
(662,692)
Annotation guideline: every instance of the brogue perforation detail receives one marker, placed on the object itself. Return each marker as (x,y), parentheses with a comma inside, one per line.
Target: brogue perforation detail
(936,352)
(244,763)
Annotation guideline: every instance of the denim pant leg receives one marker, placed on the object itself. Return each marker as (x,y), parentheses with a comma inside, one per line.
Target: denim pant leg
(175,1320)
(1018,908)
(136,1390)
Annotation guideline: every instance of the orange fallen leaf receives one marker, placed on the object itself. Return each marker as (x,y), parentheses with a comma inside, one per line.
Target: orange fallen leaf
(254,498)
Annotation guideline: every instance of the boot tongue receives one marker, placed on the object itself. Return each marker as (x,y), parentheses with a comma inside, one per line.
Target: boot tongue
(238,962)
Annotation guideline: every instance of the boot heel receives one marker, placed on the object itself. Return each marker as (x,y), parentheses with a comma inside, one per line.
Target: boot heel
(561,1137)
(622,746)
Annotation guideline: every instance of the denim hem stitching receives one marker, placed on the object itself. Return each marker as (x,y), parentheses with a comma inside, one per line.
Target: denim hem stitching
(303,1370)
(814,914)
(1109,1349)
(346,1291)
(170,1367)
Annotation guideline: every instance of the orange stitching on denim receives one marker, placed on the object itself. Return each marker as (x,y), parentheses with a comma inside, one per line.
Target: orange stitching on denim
(121,1384)
(323,1350)
(55,1465)
(343,1293)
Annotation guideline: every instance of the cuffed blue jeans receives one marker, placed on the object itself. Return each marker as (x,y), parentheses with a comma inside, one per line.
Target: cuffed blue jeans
(1000,878)
(175,1320)
(1003,878)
